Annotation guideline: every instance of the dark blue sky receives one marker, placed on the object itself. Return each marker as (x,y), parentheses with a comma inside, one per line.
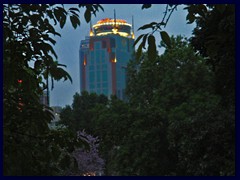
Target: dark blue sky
(67,47)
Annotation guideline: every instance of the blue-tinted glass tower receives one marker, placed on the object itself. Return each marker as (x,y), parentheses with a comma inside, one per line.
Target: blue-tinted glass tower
(104,56)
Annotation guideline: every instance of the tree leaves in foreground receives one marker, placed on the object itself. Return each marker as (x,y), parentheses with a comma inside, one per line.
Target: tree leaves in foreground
(154,27)
(178,91)
(214,38)
(30,148)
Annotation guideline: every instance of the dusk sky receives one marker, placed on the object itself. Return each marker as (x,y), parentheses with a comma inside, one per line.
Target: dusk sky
(67,46)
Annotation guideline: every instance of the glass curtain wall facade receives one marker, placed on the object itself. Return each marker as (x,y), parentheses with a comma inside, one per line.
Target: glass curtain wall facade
(104,56)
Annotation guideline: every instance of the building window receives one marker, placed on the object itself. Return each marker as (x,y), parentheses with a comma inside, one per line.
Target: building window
(97,55)
(104,67)
(92,76)
(112,43)
(103,57)
(105,85)
(92,86)
(104,44)
(98,76)
(92,55)
(104,76)
(105,92)
(91,68)
(97,45)
(98,67)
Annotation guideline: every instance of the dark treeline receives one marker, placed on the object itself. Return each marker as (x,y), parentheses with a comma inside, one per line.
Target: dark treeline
(174,123)
(179,118)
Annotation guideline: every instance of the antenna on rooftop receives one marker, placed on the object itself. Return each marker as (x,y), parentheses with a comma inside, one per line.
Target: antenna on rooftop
(133,28)
(114,18)
(132,24)
(115,30)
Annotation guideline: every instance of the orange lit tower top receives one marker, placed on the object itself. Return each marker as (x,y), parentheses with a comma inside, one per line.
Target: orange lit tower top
(104,55)
(112,26)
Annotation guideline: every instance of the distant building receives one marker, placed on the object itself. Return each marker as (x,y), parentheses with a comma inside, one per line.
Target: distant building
(57,109)
(44,99)
(56,112)
(104,56)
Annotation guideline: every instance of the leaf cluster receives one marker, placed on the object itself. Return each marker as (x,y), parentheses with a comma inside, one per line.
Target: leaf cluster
(155,26)
(29,58)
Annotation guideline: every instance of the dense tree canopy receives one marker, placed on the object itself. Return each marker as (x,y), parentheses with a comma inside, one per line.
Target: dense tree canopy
(172,124)
(214,38)
(179,118)
(28,60)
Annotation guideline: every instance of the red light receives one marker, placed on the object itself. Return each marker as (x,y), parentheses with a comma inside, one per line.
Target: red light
(19,81)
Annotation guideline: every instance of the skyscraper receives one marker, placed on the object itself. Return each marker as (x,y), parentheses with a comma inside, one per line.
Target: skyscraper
(104,56)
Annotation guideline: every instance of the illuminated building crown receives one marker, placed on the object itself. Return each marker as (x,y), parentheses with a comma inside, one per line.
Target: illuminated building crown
(112,26)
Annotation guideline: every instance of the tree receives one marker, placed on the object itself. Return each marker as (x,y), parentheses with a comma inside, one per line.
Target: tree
(165,126)
(66,118)
(177,120)
(111,124)
(29,58)
(79,115)
(156,88)
(202,136)
(214,39)
(89,162)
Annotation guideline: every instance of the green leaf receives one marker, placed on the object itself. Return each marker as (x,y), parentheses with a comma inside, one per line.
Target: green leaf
(202,7)
(139,51)
(165,38)
(152,50)
(52,41)
(25,20)
(74,13)
(63,74)
(75,21)
(144,40)
(190,17)
(63,65)
(139,37)
(87,15)
(151,25)
(63,21)
(37,64)
(46,48)
(201,10)
(101,7)
(50,14)
(146,6)
(57,14)
(95,7)
(74,9)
